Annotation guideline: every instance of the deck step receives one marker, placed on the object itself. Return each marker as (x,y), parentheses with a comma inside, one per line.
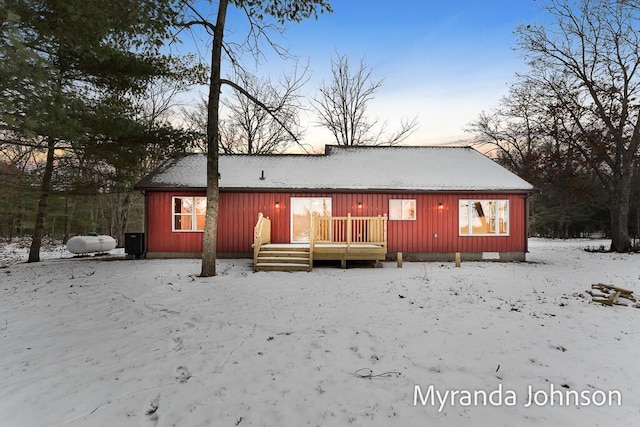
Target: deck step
(283,254)
(283,260)
(286,246)
(275,266)
(299,251)
(273,257)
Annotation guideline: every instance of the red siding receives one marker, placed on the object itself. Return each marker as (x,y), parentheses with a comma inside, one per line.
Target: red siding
(433,230)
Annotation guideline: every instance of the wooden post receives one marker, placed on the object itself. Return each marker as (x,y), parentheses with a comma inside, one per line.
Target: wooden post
(312,238)
(458,261)
(384,229)
(399,259)
(257,240)
(348,232)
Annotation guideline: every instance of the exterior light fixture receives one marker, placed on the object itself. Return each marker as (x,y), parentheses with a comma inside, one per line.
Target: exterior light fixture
(277,204)
(440,206)
(359,205)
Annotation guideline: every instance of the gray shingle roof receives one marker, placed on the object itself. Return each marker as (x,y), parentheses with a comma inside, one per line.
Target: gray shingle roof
(345,168)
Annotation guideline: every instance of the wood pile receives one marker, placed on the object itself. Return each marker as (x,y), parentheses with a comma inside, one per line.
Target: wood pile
(612,295)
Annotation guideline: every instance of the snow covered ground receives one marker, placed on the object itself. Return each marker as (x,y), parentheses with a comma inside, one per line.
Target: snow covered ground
(106,341)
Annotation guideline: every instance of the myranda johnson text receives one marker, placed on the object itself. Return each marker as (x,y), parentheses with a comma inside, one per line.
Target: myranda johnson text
(553,396)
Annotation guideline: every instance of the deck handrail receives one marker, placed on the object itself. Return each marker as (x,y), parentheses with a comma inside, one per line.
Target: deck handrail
(349,230)
(312,235)
(261,236)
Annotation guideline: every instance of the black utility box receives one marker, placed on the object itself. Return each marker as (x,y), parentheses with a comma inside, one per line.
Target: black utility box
(134,244)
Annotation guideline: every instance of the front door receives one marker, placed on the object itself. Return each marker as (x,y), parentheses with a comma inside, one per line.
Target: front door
(301,210)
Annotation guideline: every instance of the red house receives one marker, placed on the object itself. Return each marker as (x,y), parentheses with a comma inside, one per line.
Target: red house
(435,202)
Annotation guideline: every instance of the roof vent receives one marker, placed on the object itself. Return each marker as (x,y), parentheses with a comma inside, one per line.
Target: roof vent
(262,175)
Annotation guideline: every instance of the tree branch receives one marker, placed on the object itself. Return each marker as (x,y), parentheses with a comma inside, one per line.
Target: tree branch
(269,110)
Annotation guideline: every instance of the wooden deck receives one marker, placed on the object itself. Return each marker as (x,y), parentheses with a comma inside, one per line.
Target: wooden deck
(331,238)
(354,252)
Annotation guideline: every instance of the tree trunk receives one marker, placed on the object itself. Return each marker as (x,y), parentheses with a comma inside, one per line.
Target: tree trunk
(45,187)
(124,218)
(66,224)
(620,214)
(636,235)
(213,191)
(69,218)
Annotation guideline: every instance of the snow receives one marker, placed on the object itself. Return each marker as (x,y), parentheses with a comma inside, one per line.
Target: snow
(352,168)
(102,341)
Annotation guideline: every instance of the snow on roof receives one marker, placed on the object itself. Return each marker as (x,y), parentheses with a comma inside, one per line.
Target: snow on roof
(345,168)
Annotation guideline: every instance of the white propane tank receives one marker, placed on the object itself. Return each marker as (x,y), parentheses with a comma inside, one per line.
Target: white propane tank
(87,244)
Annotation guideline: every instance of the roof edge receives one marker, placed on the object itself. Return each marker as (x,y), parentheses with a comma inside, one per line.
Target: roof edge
(334,190)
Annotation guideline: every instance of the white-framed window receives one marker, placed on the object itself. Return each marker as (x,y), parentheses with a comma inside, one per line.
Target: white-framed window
(189,213)
(483,217)
(302,208)
(402,209)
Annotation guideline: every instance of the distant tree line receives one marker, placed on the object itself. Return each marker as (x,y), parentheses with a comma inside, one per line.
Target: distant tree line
(78,125)
(87,110)
(74,208)
(571,124)
(89,105)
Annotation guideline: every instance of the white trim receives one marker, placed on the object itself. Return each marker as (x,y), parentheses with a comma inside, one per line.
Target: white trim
(470,203)
(402,212)
(194,215)
(291,213)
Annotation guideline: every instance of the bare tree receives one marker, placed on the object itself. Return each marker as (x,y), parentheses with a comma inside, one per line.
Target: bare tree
(514,130)
(342,107)
(160,102)
(594,45)
(256,11)
(528,133)
(249,128)
(253,130)
(195,119)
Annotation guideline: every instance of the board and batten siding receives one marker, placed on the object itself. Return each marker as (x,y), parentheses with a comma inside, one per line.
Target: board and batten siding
(433,231)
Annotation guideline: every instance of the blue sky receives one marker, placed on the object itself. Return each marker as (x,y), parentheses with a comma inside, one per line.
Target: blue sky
(444,62)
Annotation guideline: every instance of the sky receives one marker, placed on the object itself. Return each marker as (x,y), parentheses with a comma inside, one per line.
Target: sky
(441,62)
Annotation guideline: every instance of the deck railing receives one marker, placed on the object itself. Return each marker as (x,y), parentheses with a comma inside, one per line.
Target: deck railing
(341,230)
(261,236)
(349,230)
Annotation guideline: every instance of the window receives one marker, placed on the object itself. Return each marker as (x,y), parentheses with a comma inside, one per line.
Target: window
(402,209)
(189,213)
(483,217)
(302,208)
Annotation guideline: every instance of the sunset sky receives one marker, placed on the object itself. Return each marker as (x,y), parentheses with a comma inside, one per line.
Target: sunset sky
(442,62)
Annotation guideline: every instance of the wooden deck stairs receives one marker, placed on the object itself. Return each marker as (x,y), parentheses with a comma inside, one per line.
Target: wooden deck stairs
(272,257)
(331,238)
